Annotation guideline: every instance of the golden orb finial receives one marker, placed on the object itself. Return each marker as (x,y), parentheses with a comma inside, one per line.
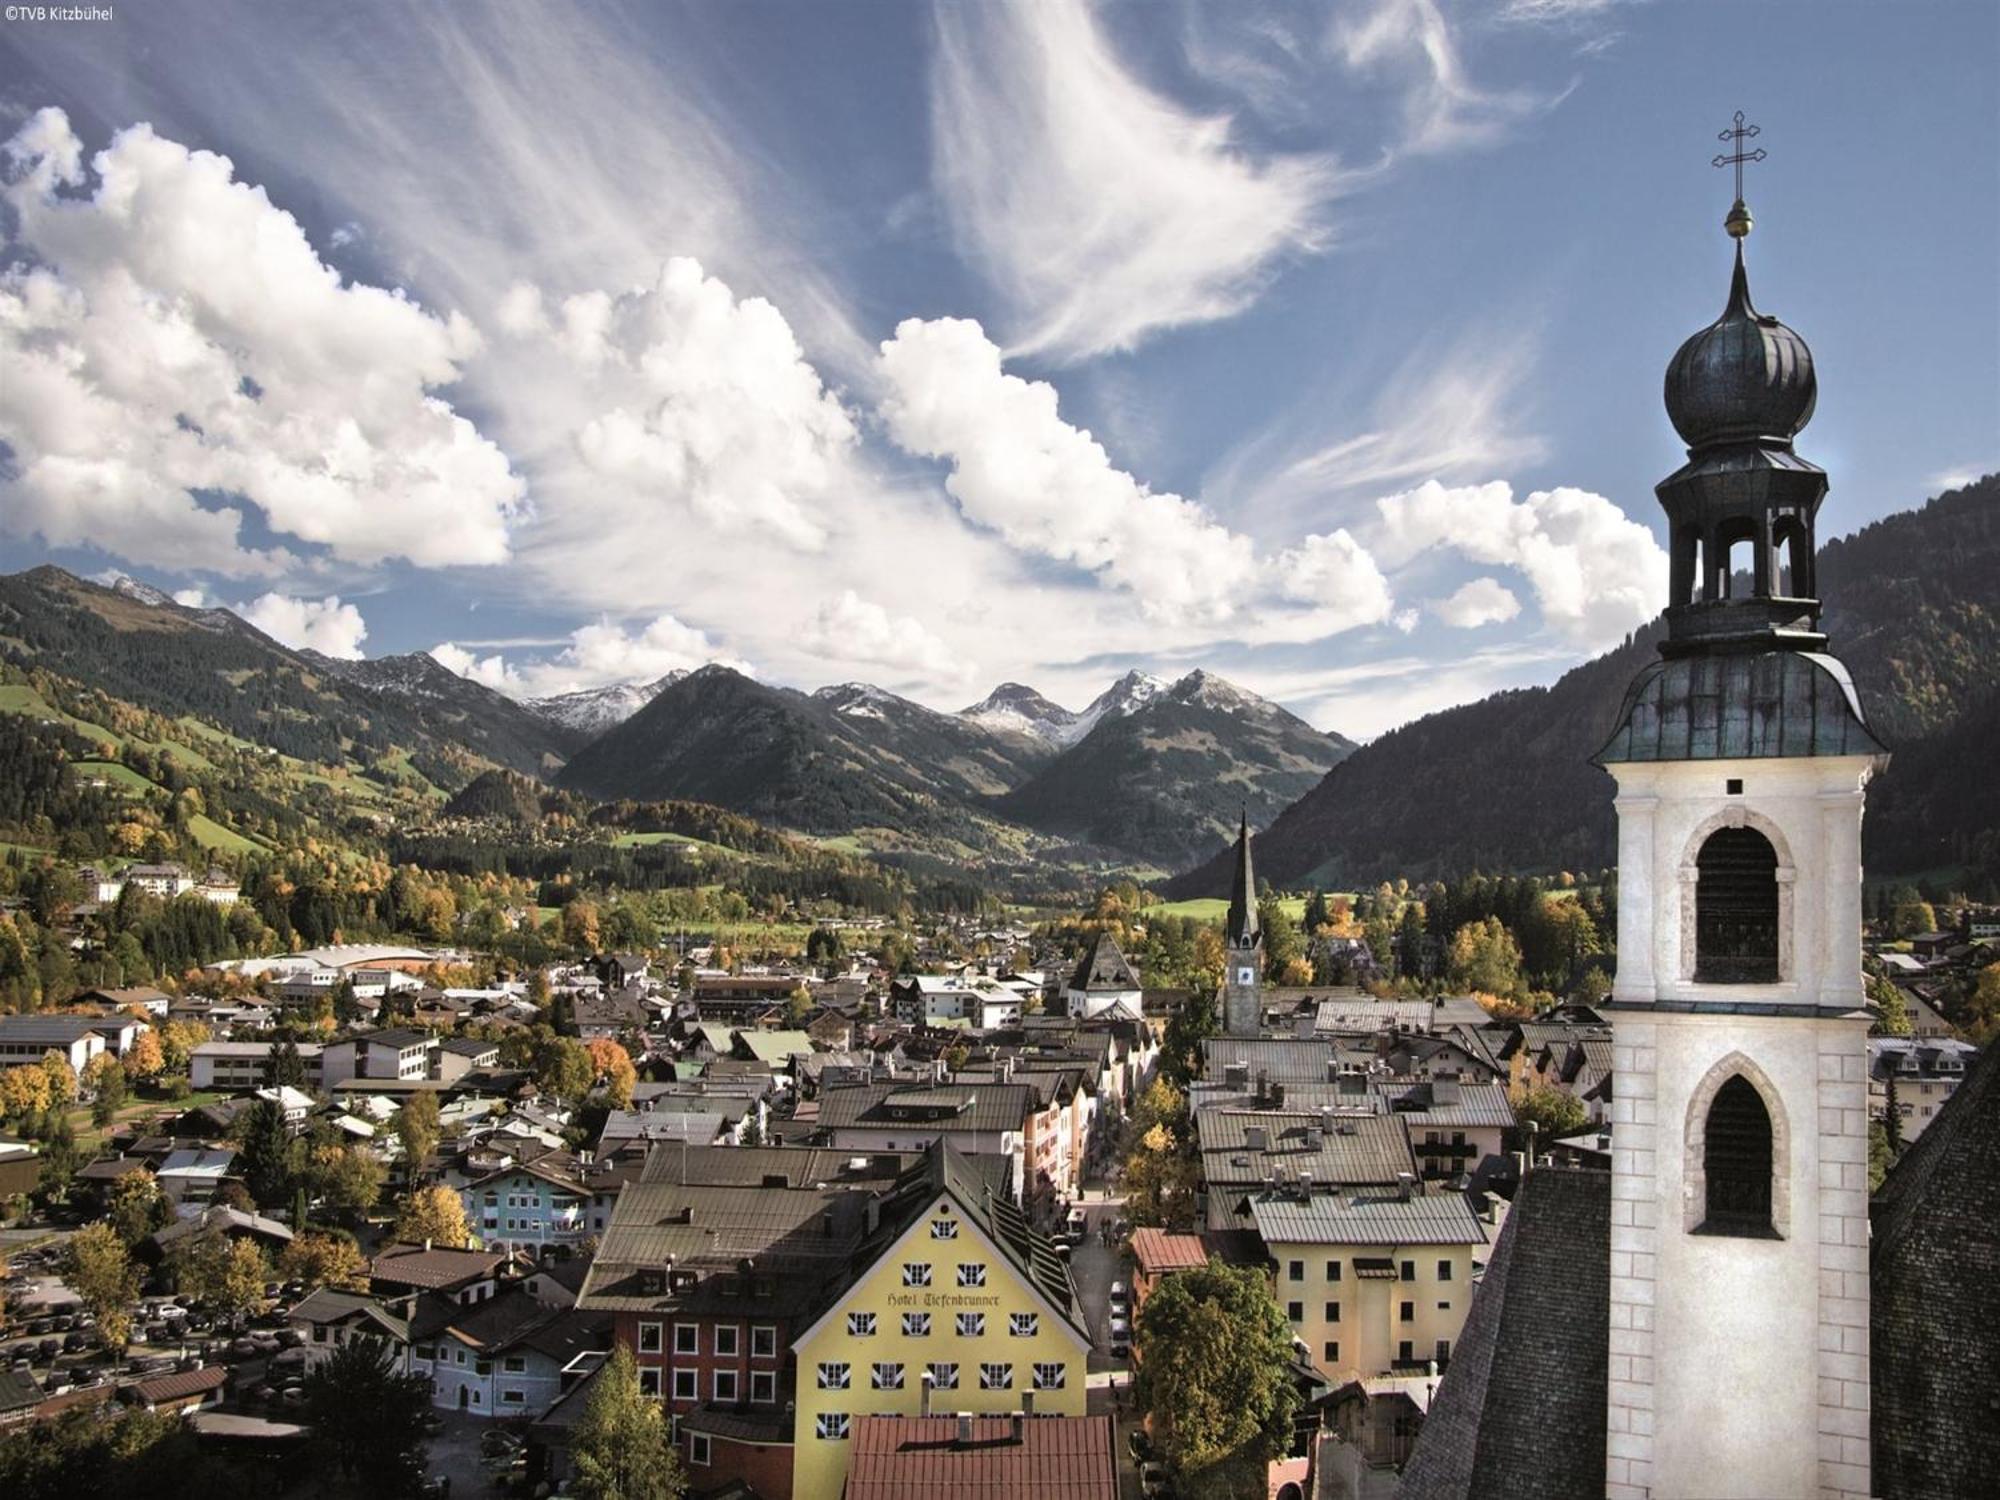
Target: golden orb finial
(1739,223)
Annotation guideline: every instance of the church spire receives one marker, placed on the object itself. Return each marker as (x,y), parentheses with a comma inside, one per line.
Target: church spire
(1242,930)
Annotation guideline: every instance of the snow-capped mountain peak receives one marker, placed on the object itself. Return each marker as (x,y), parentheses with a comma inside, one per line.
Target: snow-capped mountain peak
(1015,708)
(594,710)
(857,700)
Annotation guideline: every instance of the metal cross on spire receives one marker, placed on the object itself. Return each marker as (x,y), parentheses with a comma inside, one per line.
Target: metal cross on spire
(1738,222)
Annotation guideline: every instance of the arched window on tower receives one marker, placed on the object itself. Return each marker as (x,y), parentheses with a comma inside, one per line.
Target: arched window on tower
(1736,909)
(1736,1163)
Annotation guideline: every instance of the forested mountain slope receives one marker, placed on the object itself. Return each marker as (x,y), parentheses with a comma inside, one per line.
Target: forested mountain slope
(1912,607)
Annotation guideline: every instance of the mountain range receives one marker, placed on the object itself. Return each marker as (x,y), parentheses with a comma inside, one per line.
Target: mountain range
(1912,606)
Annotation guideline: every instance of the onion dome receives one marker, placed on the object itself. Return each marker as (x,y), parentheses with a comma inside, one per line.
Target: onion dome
(1744,377)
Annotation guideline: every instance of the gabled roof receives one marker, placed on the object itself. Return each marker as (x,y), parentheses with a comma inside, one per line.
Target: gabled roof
(413,1265)
(1104,967)
(328,1306)
(1369,1217)
(1519,1414)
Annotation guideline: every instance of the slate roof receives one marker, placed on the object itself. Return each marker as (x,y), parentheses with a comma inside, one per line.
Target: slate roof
(1519,1413)
(1007,1458)
(1104,968)
(1934,1334)
(413,1265)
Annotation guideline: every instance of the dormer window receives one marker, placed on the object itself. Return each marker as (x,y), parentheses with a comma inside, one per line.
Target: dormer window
(1736,909)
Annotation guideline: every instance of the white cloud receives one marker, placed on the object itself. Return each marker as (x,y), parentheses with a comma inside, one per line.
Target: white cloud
(1596,572)
(173,339)
(1483,601)
(1046,486)
(1413,45)
(1102,210)
(1339,581)
(598,655)
(194,598)
(853,629)
(323,625)
(679,398)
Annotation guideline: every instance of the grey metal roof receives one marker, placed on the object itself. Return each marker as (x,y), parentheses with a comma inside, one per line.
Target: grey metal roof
(1348,1150)
(1740,706)
(1368,1217)
(57,1031)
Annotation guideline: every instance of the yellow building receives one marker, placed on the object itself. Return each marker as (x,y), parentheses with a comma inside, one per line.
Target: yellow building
(967,1310)
(1372,1281)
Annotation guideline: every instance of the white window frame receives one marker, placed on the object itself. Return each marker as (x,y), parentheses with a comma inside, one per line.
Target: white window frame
(1042,1371)
(1023,1325)
(916,1325)
(944,1375)
(691,1343)
(972,1273)
(687,1385)
(832,1426)
(656,1333)
(763,1340)
(649,1381)
(701,1450)
(728,1340)
(886,1375)
(971,1325)
(861,1325)
(944,1229)
(735,1386)
(766,1382)
(995,1376)
(834,1375)
(916,1273)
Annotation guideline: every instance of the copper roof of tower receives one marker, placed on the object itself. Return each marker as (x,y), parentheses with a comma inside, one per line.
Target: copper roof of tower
(1736,707)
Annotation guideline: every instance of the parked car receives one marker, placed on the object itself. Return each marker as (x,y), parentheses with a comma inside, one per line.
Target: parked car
(1152,1478)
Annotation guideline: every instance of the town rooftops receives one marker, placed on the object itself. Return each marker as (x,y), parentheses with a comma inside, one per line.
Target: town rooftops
(957,1106)
(1367,1217)
(326,1306)
(993,1458)
(417,1266)
(53,1031)
(1104,969)
(1246,1146)
(398,1038)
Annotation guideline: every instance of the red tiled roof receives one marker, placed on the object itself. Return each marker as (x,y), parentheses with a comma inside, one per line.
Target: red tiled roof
(1156,1251)
(1032,1458)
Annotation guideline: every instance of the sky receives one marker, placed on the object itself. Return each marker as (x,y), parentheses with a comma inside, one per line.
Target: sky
(939,345)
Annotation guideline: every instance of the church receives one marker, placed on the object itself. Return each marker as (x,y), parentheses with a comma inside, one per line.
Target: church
(1713,1317)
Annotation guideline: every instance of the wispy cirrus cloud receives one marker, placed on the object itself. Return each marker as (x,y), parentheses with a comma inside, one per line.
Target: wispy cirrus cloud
(1102,209)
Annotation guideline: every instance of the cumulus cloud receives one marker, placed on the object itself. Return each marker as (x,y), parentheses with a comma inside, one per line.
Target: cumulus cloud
(1046,486)
(851,628)
(1596,572)
(176,346)
(680,398)
(1337,579)
(194,598)
(1483,601)
(1101,209)
(323,625)
(598,655)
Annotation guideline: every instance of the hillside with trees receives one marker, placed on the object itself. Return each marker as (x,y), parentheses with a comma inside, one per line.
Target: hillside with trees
(1913,609)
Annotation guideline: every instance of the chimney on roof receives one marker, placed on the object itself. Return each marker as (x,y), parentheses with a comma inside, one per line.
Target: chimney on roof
(427,1244)
(924,1399)
(1015,1434)
(1236,1075)
(1254,1137)
(1028,1403)
(1405,1185)
(965,1429)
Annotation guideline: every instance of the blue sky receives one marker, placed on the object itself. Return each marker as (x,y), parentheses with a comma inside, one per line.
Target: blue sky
(941,345)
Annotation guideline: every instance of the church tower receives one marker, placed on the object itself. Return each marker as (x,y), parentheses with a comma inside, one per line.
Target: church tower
(1243,941)
(1739,1197)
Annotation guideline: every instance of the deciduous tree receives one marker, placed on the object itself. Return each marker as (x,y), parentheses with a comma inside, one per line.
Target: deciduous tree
(99,1270)
(370,1417)
(1216,1379)
(325,1260)
(620,1449)
(436,1214)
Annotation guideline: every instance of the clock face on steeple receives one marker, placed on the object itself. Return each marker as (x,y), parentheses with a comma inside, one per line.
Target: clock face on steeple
(1246,976)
